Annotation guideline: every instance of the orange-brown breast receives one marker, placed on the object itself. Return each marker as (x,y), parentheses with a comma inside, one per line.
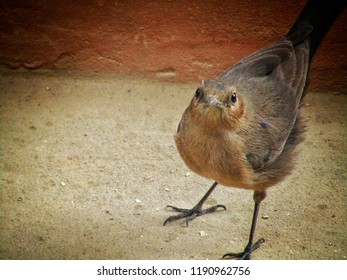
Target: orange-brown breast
(214,154)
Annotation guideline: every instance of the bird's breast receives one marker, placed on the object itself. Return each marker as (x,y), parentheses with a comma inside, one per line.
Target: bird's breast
(217,155)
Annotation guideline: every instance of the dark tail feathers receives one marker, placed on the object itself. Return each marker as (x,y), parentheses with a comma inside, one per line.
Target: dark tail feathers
(319,15)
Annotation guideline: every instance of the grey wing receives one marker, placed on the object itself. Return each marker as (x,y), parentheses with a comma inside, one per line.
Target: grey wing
(273,79)
(282,60)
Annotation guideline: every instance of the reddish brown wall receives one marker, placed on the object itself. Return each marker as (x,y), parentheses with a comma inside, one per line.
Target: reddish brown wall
(185,40)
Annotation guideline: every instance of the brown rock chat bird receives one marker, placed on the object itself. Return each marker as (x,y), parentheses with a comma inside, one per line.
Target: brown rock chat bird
(242,128)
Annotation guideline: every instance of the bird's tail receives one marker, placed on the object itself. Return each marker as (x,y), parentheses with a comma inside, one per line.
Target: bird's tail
(319,15)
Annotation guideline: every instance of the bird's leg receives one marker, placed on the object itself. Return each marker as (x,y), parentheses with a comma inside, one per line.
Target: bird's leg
(190,214)
(246,254)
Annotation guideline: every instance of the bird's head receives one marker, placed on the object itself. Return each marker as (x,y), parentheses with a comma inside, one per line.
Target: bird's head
(217,105)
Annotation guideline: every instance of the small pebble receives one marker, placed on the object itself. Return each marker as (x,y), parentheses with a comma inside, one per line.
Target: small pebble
(63,183)
(137,200)
(203,233)
(265,217)
(187,174)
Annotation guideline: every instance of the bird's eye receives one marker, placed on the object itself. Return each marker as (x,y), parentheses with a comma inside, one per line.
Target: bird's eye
(233,98)
(197,93)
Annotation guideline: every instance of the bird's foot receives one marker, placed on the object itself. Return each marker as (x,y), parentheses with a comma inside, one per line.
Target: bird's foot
(190,214)
(246,254)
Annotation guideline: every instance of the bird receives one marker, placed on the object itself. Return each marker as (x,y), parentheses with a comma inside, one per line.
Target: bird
(242,128)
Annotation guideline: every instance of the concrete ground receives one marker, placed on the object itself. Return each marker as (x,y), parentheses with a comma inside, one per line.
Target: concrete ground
(88,164)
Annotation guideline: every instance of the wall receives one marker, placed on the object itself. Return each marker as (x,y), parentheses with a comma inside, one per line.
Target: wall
(183,40)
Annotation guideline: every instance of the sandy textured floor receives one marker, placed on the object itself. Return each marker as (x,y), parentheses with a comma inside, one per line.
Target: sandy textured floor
(88,164)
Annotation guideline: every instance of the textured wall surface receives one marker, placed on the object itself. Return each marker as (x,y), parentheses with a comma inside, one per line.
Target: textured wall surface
(182,40)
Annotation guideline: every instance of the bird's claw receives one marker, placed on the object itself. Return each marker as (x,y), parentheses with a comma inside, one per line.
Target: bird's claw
(246,254)
(191,214)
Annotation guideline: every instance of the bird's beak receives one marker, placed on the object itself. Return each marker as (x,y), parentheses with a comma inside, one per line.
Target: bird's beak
(213,101)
